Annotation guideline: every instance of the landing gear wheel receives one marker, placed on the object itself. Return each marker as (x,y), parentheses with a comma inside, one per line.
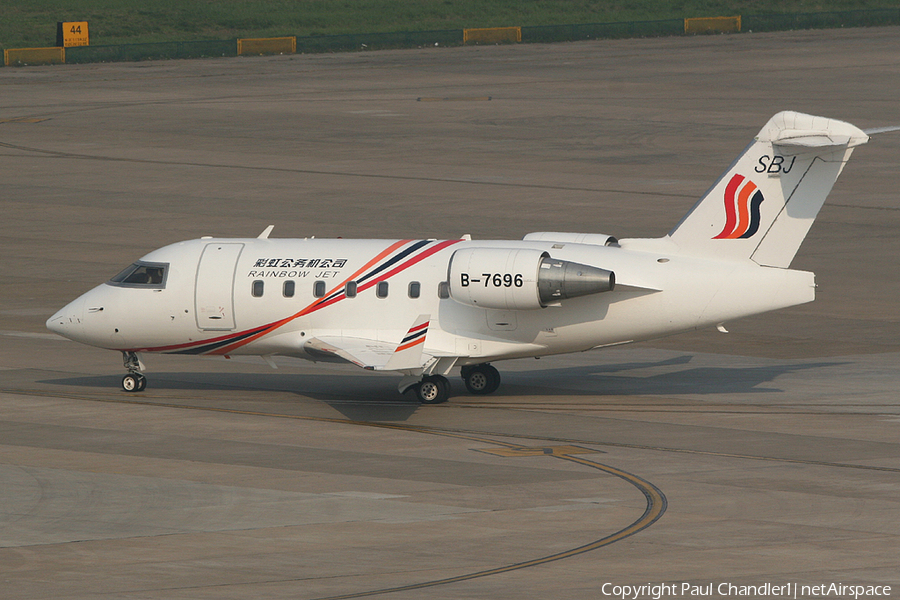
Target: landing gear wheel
(433,389)
(134,382)
(481,379)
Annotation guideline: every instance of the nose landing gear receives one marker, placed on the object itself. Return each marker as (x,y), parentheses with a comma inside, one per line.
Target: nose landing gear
(135,380)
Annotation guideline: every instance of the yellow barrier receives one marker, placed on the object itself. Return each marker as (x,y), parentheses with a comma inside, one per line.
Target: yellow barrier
(492,35)
(34,56)
(713,25)
(279,45)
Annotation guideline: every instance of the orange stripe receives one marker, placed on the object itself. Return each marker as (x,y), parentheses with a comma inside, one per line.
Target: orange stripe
(313,306)
(743,204)
(416,258)
(421,340)
(390,249)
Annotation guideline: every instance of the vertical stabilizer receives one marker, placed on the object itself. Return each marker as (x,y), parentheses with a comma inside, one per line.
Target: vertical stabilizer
(764,205)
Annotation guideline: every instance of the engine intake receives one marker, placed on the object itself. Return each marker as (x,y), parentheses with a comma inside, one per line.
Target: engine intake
(521,279)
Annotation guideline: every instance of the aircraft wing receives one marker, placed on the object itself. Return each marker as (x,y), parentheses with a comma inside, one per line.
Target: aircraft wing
(365,353)
(378,355)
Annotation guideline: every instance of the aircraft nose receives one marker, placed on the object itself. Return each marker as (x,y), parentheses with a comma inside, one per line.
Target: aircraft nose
(67,321)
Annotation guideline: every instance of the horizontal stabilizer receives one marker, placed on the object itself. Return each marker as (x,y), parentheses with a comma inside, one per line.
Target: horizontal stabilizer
(877,130)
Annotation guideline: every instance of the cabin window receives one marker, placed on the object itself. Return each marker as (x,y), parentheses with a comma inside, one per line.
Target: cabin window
(444,290)
(350,289)
(288,289)
(258,288)
(415,288)
(142,275)
(319,289)
(381,290)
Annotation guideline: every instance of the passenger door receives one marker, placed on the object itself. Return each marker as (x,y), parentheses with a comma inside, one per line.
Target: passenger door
(214,288)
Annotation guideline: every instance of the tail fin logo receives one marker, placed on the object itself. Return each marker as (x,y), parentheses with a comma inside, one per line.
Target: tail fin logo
(742,200)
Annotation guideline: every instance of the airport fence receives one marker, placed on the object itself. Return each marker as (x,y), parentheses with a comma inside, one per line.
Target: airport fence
(822,20)
(597,31)
(378,41)
(151,51)
(449,37)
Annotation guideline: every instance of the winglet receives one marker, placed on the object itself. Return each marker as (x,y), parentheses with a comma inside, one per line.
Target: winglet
(265,234)
(408,354)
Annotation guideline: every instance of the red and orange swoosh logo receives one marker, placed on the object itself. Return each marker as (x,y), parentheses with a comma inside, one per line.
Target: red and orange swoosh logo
(742,216)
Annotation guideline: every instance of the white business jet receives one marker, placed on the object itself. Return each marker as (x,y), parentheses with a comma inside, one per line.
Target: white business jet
(423,307)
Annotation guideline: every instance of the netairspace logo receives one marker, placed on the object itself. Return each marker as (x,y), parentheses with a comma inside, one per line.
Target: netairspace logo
(729,590)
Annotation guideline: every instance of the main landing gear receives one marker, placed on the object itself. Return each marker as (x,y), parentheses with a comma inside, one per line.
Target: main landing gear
(135,380)
(432,389)
(479,379)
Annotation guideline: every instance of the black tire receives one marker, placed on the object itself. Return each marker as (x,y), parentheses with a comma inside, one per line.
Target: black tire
(433,389)
(481,379)
(134,382)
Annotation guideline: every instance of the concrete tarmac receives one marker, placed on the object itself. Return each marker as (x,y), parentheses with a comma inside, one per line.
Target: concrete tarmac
(766,456)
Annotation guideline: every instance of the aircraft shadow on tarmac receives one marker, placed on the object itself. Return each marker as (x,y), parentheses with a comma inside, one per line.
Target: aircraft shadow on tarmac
(363,397)
(612,379)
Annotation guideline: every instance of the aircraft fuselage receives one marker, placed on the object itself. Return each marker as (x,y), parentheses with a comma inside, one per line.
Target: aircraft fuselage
(219,295)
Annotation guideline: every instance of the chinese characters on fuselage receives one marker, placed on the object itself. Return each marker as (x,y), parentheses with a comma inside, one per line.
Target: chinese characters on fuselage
(289,267)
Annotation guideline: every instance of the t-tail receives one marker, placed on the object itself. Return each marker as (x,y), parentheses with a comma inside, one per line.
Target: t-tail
(764,205)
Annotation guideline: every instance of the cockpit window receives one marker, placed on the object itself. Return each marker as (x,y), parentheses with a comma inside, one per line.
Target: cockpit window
(143,275)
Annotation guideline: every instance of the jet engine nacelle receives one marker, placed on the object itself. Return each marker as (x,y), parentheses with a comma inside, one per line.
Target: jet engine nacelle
(520,279)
